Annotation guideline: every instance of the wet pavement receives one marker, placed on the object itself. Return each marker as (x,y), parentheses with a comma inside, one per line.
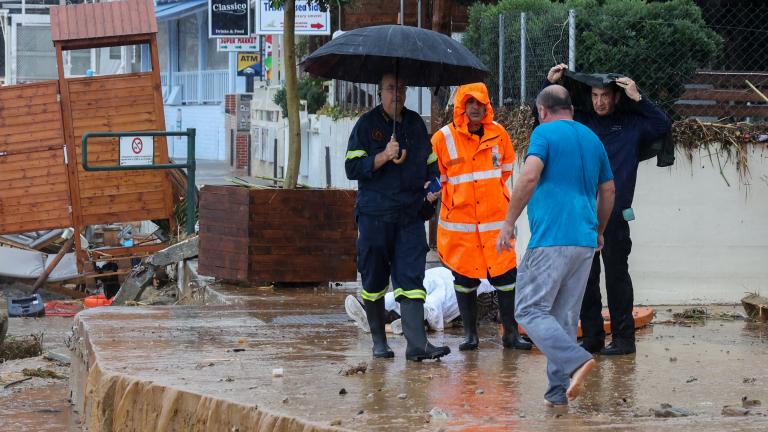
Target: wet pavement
(38,404)
(223,357)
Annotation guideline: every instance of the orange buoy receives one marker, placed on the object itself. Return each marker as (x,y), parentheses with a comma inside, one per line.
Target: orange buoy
(96,301)
(643,316)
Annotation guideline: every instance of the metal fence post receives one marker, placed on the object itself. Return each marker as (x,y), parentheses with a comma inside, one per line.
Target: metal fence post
(501,60)
(523,31)
(191,188)
(572,39)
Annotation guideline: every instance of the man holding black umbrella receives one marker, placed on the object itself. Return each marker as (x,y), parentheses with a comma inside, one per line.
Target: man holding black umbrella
(392,169)
(623,133)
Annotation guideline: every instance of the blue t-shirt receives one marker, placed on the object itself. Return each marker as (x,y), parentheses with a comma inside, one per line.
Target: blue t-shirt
(563,208)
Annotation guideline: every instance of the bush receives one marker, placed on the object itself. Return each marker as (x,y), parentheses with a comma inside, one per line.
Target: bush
(660,45)
(310,89)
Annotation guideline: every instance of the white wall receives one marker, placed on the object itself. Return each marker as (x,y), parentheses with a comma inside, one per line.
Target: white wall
(695,239)
(324,132)
(211,141)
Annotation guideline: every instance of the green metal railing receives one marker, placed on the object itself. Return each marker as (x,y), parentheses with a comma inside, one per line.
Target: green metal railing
(190,165)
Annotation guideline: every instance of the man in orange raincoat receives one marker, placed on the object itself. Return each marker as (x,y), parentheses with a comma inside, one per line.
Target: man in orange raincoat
(475,157)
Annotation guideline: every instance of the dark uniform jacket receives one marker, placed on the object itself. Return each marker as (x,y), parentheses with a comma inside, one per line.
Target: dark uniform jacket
(393,192)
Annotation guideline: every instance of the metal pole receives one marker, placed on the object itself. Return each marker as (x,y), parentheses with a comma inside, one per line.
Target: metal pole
(191,188)
(418,24)
(572,39)
(501,60)
(522,57)
(402,12)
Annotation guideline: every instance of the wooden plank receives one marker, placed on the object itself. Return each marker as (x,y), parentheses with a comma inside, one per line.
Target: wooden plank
(36,207)
(35,198)
(119,199)
(118,95)
(33,216)
(160,111)
(80,106)
(31,161)
(734,79)
(225,273)
(207,229)
(120,189)
(30,136)
(28,110)
(117,110)
(19,149)
(42,121)
(25,227)
(124,217)
(36,189)
(225,244)
(227,260)
(72,182)
(9,106)
(24,130)
(747,95)
(721,111)
(51,174)
(84,124)
(111,179)
(31,91)
(141,80)
(123,207)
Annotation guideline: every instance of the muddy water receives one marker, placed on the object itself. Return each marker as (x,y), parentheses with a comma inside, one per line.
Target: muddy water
(38,409)
(229,353)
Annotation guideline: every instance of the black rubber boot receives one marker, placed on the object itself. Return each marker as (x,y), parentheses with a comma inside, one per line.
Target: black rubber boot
(418,347)
(375,311)
(468,309)
(511,337)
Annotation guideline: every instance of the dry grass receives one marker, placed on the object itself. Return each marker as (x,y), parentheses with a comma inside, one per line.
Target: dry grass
(722,143)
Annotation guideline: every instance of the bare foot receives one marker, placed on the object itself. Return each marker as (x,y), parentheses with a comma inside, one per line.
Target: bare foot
(574,390)
(549,404)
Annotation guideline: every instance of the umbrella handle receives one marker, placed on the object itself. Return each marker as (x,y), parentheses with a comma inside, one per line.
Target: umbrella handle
(400,159)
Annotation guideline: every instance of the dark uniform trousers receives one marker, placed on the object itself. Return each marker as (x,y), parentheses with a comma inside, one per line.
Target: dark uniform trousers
(615,253)
(391,247)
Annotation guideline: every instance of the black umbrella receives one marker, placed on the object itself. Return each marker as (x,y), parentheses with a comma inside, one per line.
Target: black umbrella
(419,57)
(416,56)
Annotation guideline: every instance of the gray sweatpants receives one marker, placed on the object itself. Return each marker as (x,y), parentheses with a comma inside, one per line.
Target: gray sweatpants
(550,287)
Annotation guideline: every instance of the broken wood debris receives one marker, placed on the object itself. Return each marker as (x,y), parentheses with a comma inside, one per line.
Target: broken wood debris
(141,277)
(756,307)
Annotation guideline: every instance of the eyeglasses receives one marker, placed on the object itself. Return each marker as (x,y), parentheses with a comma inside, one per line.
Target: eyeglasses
(399,89)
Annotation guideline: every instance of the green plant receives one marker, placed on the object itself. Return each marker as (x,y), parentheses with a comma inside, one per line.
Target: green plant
(658,44)
(336,112)
(311,90)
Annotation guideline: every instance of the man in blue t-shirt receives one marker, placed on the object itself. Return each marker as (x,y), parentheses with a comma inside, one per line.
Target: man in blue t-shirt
(565,169)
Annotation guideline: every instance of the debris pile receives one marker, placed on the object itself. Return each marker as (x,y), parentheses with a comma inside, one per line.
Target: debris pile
(21,347)
(722,143)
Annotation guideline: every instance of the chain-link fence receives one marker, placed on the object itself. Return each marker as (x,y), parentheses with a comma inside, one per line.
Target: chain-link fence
(35,56)
(709,62)
(517,67)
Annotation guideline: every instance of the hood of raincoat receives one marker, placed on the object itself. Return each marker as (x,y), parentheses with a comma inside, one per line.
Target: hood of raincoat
(463,93)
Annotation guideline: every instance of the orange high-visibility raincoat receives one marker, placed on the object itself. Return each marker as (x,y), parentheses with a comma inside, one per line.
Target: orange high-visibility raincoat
(475,195)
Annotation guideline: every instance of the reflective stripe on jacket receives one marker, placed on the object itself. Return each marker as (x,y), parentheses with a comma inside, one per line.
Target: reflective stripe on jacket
(475,196)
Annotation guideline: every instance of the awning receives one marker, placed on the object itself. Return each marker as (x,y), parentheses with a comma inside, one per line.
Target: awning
(176,10)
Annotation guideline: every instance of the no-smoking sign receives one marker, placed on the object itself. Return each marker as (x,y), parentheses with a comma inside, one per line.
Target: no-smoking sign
(137,150)
(137,145)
